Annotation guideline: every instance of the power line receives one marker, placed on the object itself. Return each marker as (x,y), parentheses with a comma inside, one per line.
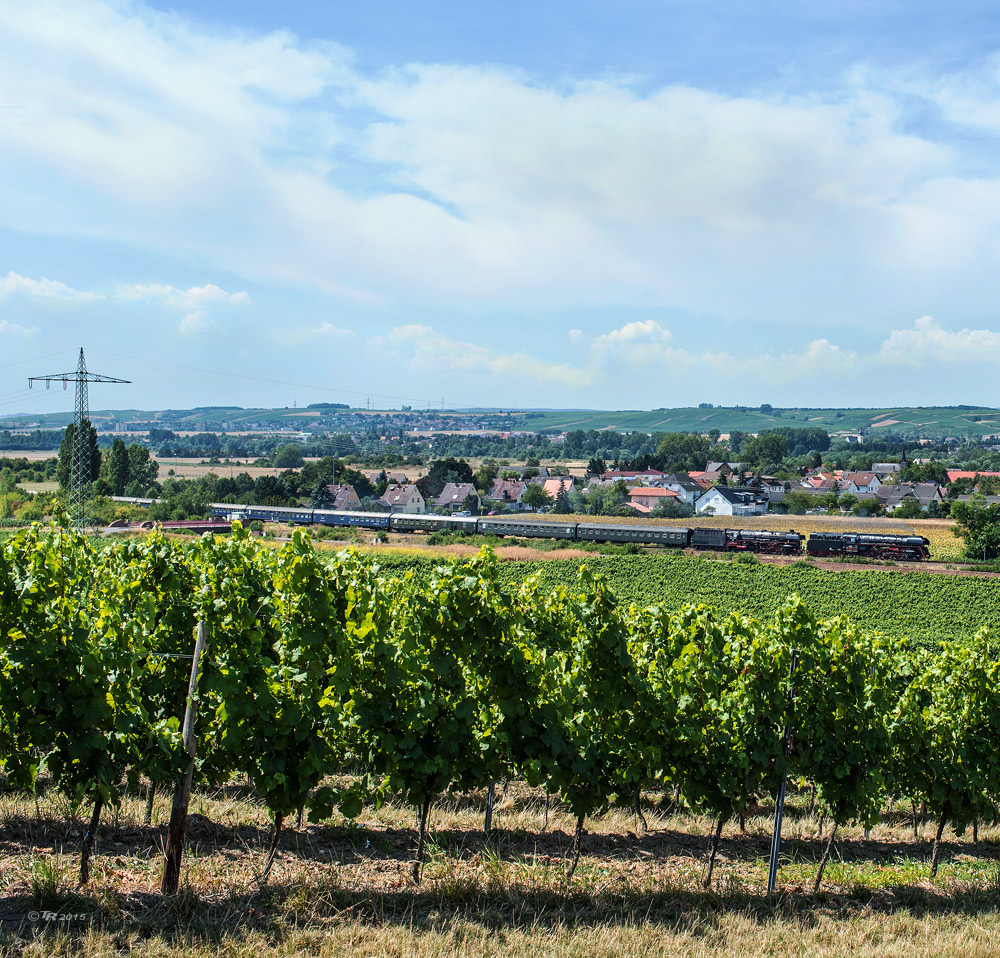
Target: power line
(273,382)
(37,359)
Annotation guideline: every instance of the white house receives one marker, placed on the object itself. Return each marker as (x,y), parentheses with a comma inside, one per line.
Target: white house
(404,498)
(508,492)
(723,501)
(686,488)
(860,482)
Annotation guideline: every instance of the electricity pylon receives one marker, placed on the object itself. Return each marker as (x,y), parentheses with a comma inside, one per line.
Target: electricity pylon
(82,467)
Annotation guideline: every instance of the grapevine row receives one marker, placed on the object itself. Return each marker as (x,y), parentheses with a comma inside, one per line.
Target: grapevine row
(448,681)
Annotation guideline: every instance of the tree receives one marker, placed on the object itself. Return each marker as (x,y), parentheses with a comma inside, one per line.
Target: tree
(604,500)
(713,436)
(596,467)
(682,452)
(289,457)
(64,471)
(536,497)
(767,449)
(909,508)
(116,468)
(989,485)
(441,472)
(979,526)
(736,439)
(321,497)
(271,491)
(671,508)
(485,475)
(143,469)
(798,502)
(470,504)
(563,505)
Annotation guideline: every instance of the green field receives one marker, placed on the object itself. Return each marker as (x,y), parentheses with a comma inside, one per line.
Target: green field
(912,421)
(924,422)
(923,606)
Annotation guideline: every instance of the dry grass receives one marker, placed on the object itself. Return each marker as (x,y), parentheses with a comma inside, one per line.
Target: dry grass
(343,888)
(198,468)
(32,485)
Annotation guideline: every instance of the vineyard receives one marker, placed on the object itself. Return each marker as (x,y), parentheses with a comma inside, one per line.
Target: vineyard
(330,689)
(921,607)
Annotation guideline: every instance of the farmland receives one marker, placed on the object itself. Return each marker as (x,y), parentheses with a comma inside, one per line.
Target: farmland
(922,606)
(912,421)
(655,730)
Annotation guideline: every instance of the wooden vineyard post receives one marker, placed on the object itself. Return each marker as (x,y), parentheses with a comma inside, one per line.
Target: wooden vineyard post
(182,793)
(779,804)
(490,799)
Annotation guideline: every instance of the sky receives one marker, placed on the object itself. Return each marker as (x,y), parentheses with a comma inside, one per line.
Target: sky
(500,204)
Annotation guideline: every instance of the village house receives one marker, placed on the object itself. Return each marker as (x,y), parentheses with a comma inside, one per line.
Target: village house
(633,475)
(345,499)
(954,474)
(727,467)
(508,492)
(553,487)
(705,479)
(686,488)
(860,482)
(454,494)
(890,497)
(645,499)
(725,501)
(404,497)
(393,478)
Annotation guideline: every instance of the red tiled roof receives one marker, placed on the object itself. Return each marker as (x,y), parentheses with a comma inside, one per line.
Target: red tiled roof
(652,492)
(954,474)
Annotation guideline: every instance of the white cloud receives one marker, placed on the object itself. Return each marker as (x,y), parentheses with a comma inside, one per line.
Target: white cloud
(293,336)
(928,342)
(194,298)
(13,284)
(267,156)
(646,346)
(424,350)
(641,344)
(618,356)
(431,189)
(196,323)
(328,329)
(8,328)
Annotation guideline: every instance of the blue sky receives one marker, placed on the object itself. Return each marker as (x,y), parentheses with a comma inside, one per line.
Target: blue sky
(623,205)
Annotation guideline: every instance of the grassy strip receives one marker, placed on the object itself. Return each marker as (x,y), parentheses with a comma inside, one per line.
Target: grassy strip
(341,888)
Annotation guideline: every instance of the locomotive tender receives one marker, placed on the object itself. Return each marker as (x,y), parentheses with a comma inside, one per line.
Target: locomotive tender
(911,548)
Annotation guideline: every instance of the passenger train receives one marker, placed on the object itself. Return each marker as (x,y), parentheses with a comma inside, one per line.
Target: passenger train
(907,548)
